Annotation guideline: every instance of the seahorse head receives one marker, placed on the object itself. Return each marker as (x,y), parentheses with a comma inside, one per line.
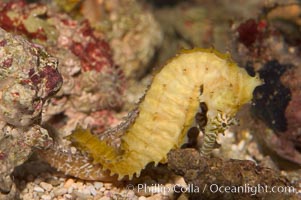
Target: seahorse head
(228,86)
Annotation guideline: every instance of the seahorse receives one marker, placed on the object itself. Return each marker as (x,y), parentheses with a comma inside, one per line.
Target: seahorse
(195,81)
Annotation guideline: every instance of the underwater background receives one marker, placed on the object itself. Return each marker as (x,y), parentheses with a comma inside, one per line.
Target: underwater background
(77,75)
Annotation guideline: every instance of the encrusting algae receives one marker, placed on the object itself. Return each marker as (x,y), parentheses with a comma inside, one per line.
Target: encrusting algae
(195,81)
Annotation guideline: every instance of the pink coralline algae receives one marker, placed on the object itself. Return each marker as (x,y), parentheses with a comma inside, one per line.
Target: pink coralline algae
(28,77)
(27,80)
(131,29)
(17,21)
(251,31)
(92,83)
(99,78)
(253,34)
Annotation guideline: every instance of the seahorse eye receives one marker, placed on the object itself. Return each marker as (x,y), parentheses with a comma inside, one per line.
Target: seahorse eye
(224,125)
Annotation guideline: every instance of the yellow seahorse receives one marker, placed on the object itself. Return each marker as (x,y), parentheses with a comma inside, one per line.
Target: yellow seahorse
(168,109)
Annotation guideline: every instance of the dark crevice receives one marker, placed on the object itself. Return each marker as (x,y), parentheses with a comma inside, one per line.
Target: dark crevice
(271,99)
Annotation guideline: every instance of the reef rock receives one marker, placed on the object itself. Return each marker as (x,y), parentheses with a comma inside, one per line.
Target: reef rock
(28,77)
